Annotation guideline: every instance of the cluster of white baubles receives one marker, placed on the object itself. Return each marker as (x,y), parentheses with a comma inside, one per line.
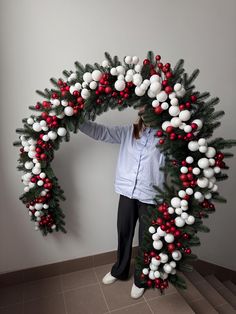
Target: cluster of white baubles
(206,167)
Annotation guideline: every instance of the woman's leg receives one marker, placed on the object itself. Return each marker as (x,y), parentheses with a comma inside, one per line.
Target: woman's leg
(142,210)
(126,221)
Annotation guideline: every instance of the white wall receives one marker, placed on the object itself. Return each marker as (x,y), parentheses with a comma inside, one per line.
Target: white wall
(39,39)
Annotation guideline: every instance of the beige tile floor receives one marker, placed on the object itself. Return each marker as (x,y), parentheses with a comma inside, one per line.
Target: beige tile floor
(83,292)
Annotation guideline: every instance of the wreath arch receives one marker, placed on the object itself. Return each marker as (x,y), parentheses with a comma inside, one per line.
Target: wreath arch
(183,120)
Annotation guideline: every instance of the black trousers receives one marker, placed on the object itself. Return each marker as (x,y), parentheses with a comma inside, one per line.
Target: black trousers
(129,211)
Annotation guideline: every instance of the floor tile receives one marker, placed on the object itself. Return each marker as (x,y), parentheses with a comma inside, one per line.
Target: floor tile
(85,300)
(141,308)
(11,295)
(42,288)
(155,293)
(78,279)
(53,304)
(172,303)
(12,309)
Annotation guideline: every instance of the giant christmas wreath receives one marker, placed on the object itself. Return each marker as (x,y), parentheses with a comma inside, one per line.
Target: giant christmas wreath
(183,120)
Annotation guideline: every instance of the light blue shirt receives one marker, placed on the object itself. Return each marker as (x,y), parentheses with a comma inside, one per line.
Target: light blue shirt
(138,161)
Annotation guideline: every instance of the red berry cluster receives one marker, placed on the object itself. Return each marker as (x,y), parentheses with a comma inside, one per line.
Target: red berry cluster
(188,179)
(219,160)
(104,89)
(47,182)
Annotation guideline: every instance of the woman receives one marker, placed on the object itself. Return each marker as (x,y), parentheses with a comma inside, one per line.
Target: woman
(137,171)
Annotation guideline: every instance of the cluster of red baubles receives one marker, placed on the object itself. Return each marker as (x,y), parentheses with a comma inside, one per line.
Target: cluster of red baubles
(188,179)
(219,160)
(46,219)
(47,182)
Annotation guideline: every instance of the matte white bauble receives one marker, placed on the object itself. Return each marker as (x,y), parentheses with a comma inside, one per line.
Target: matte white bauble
(37,213)
(120,77)
(93,85)
(105,63)
(167,268)
(212,161)
(45,206)
(155,103)
(61,131)
(196,171)
(164,257)
(61,115)
(203,163)
(175,202)
(40,182)
(155,87)
(45,138)
(153,267)
(152,229)
(155,261)
(174,102)
(165,105)
(198,122)
(138,68)
(151,94)
(182,193)
(193,146)
(157,244)
(210,152)
(161,232)
(184,169)
(53,227)
(157,274)
(187,129)
(31,185)
(37,127)
(30,121)
(197,195)
(139,91)
(210,185)
(128,78)
(203,149)
(55,102)
(177,87)
(151,275)
(164,275)
(171,210)
(128,59)
(189,159)
(202,182)
(172,95)
(179,222)
(52,135)
(78,86)
(189,191)
(68,111)
(145,271)
(85,93)
(190,220)
(184,115)
(162,96)
(155,236)
(169,238)
(175,122)
(217,169)
(184,215)
(137,79)
(29,164)
(72,89)
(173,111)
(202,142)
(120,85)
(73,76)
(208,172)
(173,264)
(135,59)
(113,71)
(146,82)
(84,85)
(208,196)
(215,188)
(182,125)
(36,170)
(64,103)
(183,203)
(31,154)
(178,210)
(176,255)
(165,125)
(155,78)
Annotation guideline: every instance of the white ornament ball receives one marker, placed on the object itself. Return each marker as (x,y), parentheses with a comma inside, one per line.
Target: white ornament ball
(155,261)
(85,93)
(155,87)
(208,172)
(164,105)
(135,59)
(169,238)
(167,268)
(198,195)
(190,220)
(174,111)
(189,159)
(162,96)
(157,274)
(157,244)
(151,275)
(175,122)
(217,169)
(37,127)
(179,222)
(196,171)
(68,111)
(203,163)
(210,152)
(176,255)
(61,131)
(202,182)
(29,164)
(198,122)
(113,72)
(52,135)
(184,115)
(93,85)
(177,87)
(30,121)
(189,191)
(193,146)
(165,125)
(161,232)
(152,229)
(139,91)
(203,149)
(175,202)
(145,271)
(120,85)
(45,138)
(171,210)
(155,103)
(128,60)
(105,63)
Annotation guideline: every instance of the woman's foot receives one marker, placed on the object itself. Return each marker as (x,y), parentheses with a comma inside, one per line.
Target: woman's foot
(136,292)
(108,278)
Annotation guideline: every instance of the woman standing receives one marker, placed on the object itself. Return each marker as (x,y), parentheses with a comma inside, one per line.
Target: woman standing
(137,171)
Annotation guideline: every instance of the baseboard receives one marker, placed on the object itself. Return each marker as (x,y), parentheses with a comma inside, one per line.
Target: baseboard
(40,272)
